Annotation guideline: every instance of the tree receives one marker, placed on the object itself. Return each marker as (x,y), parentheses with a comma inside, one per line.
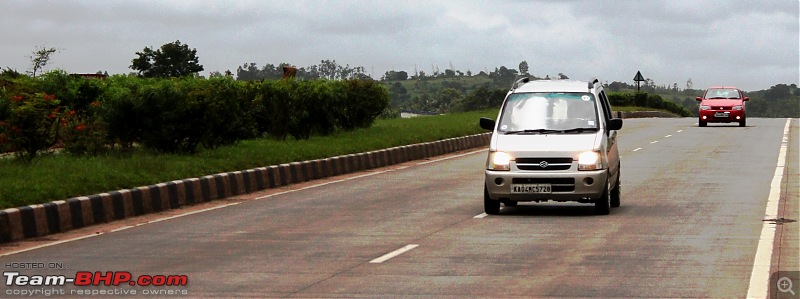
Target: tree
(523,67)
(561,76)
(249,72)
(171,60)
(39,58)
(395,76)
(689,83)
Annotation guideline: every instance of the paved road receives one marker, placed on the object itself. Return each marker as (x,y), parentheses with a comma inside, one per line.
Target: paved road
(693,201)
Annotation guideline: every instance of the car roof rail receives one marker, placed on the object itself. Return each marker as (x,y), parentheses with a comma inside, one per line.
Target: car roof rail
(593,82)
(519,82)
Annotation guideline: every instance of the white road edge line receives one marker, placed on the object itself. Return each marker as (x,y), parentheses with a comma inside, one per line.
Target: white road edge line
(481,216)
(392,254)
(49,244)
(759,277)
(194,212)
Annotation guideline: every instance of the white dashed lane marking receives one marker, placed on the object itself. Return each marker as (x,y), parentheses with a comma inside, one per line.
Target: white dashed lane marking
(392,254)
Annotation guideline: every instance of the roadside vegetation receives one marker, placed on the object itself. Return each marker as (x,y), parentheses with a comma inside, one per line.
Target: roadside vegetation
(174,115)
(61,176)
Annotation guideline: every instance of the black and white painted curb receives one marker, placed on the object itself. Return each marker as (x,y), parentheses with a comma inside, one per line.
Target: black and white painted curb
(63,215)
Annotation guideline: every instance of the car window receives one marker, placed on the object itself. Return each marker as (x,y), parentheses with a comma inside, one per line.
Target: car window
(722,93)
(606,106)
(550,111)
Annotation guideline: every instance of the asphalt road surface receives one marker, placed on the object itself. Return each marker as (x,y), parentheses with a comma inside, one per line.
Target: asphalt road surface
(693,205)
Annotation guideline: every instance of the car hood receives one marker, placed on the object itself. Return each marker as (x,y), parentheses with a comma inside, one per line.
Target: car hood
(546,143)
(722,102)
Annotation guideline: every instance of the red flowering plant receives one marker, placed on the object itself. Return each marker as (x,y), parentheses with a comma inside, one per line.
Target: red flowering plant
(28,123)
(84,133)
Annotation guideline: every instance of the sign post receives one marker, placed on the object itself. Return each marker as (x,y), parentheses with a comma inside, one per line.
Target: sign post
(638,78)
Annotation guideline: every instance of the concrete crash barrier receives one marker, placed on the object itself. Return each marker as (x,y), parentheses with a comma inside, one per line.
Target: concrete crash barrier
(63,215)
(643,114)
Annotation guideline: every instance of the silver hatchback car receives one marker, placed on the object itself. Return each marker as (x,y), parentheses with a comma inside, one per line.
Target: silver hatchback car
(553,140)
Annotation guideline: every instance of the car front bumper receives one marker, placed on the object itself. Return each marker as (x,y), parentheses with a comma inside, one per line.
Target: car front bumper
(580,186)
(722,115)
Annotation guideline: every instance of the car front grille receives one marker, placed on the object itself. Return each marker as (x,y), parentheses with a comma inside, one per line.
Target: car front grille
(721,108)
(543,163)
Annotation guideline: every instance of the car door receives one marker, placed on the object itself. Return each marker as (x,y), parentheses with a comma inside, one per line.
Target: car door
(612,151)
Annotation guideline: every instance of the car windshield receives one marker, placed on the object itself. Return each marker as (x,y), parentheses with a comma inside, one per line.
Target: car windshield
(549,112)
(722,93)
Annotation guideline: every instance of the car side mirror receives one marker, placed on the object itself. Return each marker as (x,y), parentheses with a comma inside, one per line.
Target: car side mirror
(698,99)
(615,124)
(746,98)
(487,124)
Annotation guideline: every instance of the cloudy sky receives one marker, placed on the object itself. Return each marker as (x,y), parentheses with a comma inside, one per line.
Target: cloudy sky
(750,44)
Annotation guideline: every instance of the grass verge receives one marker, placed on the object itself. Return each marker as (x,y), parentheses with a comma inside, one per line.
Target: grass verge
(58,177)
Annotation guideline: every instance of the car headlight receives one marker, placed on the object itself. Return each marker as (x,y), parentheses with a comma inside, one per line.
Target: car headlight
(737,107)
(498,161)
(704,107)
(590,161)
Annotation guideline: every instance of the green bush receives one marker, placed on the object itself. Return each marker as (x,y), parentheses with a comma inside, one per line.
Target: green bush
(304,108)
(313,109)
(641,99)
(173,118)
(122,111)
(363,102)
(226,118)
(621,99)
(179,115)
(273,107)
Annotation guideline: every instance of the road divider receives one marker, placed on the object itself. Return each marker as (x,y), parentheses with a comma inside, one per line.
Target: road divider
(64,215)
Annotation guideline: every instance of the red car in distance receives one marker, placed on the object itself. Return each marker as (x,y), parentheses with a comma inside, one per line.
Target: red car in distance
(722,104)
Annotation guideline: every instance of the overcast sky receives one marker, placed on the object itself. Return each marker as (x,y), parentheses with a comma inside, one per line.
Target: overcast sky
(749,44)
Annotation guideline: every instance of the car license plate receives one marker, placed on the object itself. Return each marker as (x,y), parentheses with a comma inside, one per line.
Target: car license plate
(721,114)
(531,189)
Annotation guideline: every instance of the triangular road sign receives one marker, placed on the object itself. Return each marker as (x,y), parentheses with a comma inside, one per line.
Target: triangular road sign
(638,77)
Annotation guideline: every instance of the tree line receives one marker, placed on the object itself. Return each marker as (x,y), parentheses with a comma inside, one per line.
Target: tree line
(445,91)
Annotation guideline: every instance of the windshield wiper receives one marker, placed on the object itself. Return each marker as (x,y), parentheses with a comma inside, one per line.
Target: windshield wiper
(538,131)
(712,98)
(579,130)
